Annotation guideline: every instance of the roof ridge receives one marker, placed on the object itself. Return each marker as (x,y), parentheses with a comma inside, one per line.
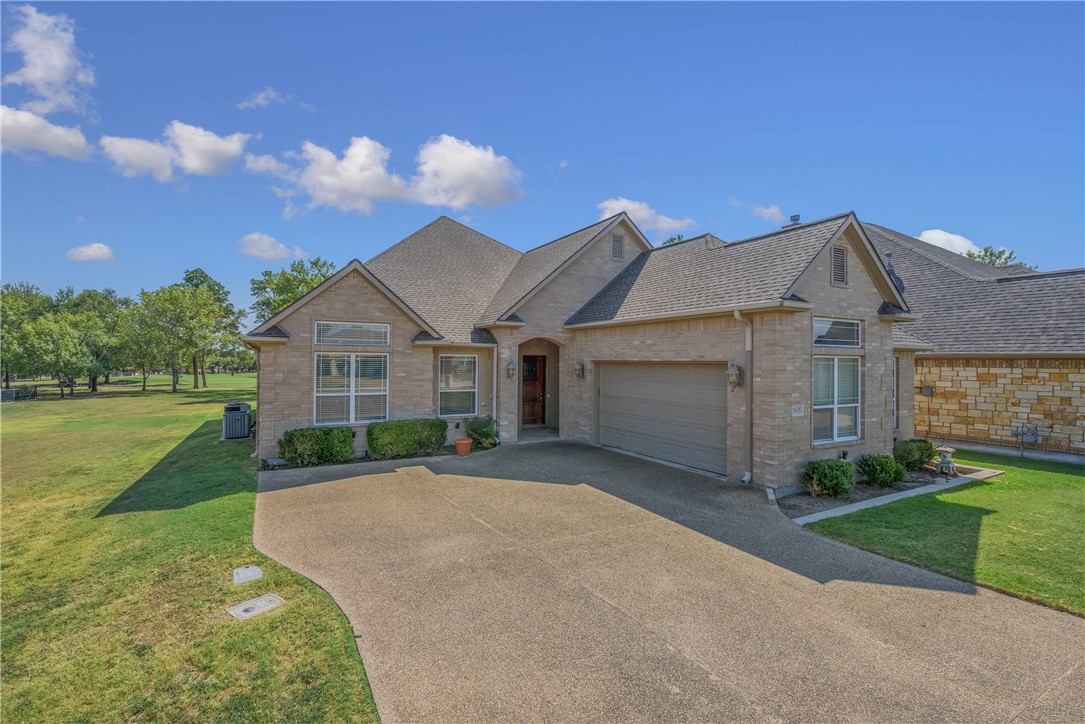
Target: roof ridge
(470,228)
(573,233)
(789,227)
(685,241)
(1046,274)
(895,235)
(416,232)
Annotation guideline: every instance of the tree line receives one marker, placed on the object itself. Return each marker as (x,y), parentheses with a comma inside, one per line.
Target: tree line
(179,328)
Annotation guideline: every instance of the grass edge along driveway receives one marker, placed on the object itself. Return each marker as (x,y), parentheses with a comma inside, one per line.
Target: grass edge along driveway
(122,519)
(1020,533)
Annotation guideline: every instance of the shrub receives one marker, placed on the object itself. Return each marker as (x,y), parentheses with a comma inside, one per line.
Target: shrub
(405,438)
(915,453)
(483,430)
(307,446)
(880,471)
(829,477)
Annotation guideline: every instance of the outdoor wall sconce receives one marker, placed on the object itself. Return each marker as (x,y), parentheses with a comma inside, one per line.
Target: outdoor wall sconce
(578,368)
(510,370)
(734,376)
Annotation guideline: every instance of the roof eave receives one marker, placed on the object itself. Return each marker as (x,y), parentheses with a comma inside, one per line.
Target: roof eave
(450,343)
(899,317)
(778,305)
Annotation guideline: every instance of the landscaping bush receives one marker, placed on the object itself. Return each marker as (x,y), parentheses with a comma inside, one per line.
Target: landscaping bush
(881,471)
(915,453)
(307,446)
(405,438)
(483,430)
(829,477)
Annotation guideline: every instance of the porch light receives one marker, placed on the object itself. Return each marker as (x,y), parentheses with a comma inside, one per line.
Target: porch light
(734,376)
(510,369)
(578,368)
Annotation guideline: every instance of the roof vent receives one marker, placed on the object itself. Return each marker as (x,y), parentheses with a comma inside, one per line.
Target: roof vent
(794,221)
(892,274)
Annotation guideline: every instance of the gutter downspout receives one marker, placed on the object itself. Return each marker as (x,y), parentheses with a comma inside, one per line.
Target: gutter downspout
(493,396)
(747,477)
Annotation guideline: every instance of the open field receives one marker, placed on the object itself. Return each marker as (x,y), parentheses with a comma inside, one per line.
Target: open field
(1020,532)
(123,517)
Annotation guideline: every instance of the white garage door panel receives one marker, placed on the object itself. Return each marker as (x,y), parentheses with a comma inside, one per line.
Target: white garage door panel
(675,412)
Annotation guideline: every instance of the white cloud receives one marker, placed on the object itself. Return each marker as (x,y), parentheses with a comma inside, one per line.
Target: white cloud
(53,69)
(191,149)
(946,240)
(91,252)
(734,203)
(26,131)
(450,172)
(264,98)
(457,174)
(768,213)
(643,215)
(563,164)
(263,246)
(135,157)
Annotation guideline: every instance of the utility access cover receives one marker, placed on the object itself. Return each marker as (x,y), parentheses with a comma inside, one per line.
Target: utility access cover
(254,607)
(244,574)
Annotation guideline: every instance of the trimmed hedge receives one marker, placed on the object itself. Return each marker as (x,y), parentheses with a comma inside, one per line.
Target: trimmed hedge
(405,438)
(881,471)
(915,453)
(483,430)
(834,478)
(307,446)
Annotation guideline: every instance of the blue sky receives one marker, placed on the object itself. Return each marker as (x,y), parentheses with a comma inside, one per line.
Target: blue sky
(217,135)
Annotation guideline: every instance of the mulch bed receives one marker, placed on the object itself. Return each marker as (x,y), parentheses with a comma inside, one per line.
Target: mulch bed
(800,504)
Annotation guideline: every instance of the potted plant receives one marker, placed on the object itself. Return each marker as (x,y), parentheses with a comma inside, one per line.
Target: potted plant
(463,445)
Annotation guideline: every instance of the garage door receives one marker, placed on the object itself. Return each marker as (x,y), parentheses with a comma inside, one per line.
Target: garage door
(676,412)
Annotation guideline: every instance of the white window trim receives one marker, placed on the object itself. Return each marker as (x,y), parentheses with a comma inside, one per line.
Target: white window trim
(351,391)
(858,404)
(441,389)
(858,323)
(316,333)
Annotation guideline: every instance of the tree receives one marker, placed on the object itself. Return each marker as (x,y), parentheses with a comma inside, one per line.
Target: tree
(50,345)
(19,303)
(97,314)
(184,317)
(139,336)
(274,291)
(673,240)
(1000,257)
(227,318)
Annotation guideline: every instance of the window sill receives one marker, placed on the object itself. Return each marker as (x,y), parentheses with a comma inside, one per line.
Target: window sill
(831,444)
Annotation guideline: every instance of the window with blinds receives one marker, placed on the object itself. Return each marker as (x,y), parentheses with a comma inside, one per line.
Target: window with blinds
(350,388)
(457,385)
(836,399)
(358,334)
(840,266)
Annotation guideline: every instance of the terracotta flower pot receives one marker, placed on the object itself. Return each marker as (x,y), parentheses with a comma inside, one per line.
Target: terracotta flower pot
(463,445)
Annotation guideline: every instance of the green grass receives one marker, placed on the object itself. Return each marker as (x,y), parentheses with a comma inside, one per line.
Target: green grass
(1022,533)
(123,517)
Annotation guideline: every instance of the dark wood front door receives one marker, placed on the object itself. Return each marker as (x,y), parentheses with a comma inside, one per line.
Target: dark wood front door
(534,390)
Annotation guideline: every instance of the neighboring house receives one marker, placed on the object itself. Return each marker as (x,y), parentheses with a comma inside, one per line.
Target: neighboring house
(599,337)
(1007,346)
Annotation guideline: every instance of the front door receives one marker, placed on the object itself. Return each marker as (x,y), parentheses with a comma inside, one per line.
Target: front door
(534,390)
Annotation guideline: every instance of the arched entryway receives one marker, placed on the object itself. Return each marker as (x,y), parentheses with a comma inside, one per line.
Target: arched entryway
(539,408)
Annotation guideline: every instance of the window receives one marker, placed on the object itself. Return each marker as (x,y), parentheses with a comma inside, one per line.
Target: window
(836,333)
(896,393)
(457,385)
(617,247)
(352,333)
(836,399)
(350,388)
(840,267)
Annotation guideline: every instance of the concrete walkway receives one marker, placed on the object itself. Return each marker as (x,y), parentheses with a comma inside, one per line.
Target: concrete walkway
(561,582)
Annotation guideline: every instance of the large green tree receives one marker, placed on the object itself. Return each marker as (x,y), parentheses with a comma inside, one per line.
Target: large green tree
(141,340)
(274,291)
(227,319)
(185,319)
(19,303)
(51,346)
(97,314)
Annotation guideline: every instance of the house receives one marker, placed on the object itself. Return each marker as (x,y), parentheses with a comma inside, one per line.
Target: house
(746,359)
(1007,346)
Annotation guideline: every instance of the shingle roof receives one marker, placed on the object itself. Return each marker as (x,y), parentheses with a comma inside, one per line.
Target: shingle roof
(969,308)
(692,275)
(535,266)
(447,273)
(272,332)
(902,337)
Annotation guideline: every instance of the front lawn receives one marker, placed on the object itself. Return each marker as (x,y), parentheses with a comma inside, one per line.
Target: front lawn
(123,517)
(1021,532)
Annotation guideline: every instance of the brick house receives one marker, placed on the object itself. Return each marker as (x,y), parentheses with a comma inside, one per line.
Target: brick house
(747,359)
(1007,346)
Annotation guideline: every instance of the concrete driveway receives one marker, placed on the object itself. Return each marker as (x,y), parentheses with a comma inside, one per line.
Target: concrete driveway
(561,582)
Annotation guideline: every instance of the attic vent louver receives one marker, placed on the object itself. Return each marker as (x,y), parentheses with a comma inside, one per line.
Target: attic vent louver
(840,266)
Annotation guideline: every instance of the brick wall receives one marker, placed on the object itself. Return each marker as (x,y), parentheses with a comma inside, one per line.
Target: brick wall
(983,399)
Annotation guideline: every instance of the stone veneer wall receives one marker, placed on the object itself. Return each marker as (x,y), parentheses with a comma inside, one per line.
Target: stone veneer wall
(983,399)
